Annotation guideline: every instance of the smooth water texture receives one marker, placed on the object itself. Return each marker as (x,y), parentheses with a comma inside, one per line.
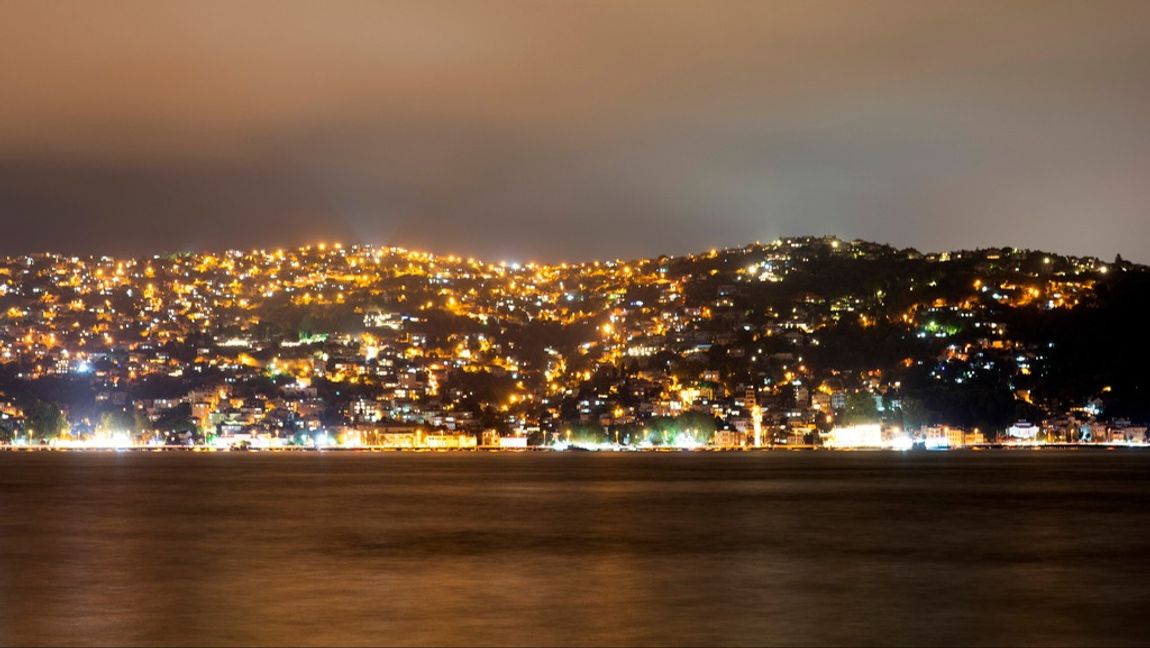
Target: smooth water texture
(1013,547)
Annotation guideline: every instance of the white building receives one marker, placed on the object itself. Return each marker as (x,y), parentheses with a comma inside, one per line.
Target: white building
(1023,431)
(856,436)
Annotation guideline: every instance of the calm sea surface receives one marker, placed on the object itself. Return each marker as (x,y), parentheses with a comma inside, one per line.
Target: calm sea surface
(1013,547)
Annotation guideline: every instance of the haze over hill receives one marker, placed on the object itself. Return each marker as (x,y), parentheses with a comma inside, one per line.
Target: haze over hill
(574,130)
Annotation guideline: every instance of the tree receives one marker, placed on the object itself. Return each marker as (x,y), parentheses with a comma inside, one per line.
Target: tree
(696,426)
(860,408)
(490,418)
(8,430)
(141,424)
(46,421)
(581,433)
(114,421)
(178,421)
(915,413)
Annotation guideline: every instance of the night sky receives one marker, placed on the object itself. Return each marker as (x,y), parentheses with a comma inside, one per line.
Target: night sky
(573,130)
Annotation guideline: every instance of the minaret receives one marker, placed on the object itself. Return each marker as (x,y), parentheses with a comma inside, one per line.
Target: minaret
(757,421)
(752,405)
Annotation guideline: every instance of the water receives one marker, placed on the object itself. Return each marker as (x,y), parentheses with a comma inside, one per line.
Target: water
(1013,547)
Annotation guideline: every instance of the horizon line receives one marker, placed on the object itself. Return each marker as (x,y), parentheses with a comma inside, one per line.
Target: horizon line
(323,246)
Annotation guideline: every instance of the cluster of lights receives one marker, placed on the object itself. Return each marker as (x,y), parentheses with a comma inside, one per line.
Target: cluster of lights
(110,320)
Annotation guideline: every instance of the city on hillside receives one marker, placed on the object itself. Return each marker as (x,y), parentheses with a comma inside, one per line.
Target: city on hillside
(798,343)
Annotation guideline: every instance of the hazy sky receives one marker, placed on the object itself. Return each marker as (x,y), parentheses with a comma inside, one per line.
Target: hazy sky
(571,130)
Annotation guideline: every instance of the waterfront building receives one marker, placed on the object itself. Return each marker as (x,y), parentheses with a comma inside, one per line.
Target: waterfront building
(1022,431)
(856,436)
(729,439)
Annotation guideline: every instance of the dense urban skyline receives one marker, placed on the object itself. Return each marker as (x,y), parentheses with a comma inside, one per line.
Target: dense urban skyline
(555,131)
(801,342)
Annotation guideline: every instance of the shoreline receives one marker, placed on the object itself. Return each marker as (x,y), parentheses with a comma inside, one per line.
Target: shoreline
(543,449)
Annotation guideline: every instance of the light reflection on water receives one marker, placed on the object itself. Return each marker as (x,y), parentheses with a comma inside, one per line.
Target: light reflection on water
(526,549)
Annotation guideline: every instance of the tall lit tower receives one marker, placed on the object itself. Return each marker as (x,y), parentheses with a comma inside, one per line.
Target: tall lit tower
(752,405)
